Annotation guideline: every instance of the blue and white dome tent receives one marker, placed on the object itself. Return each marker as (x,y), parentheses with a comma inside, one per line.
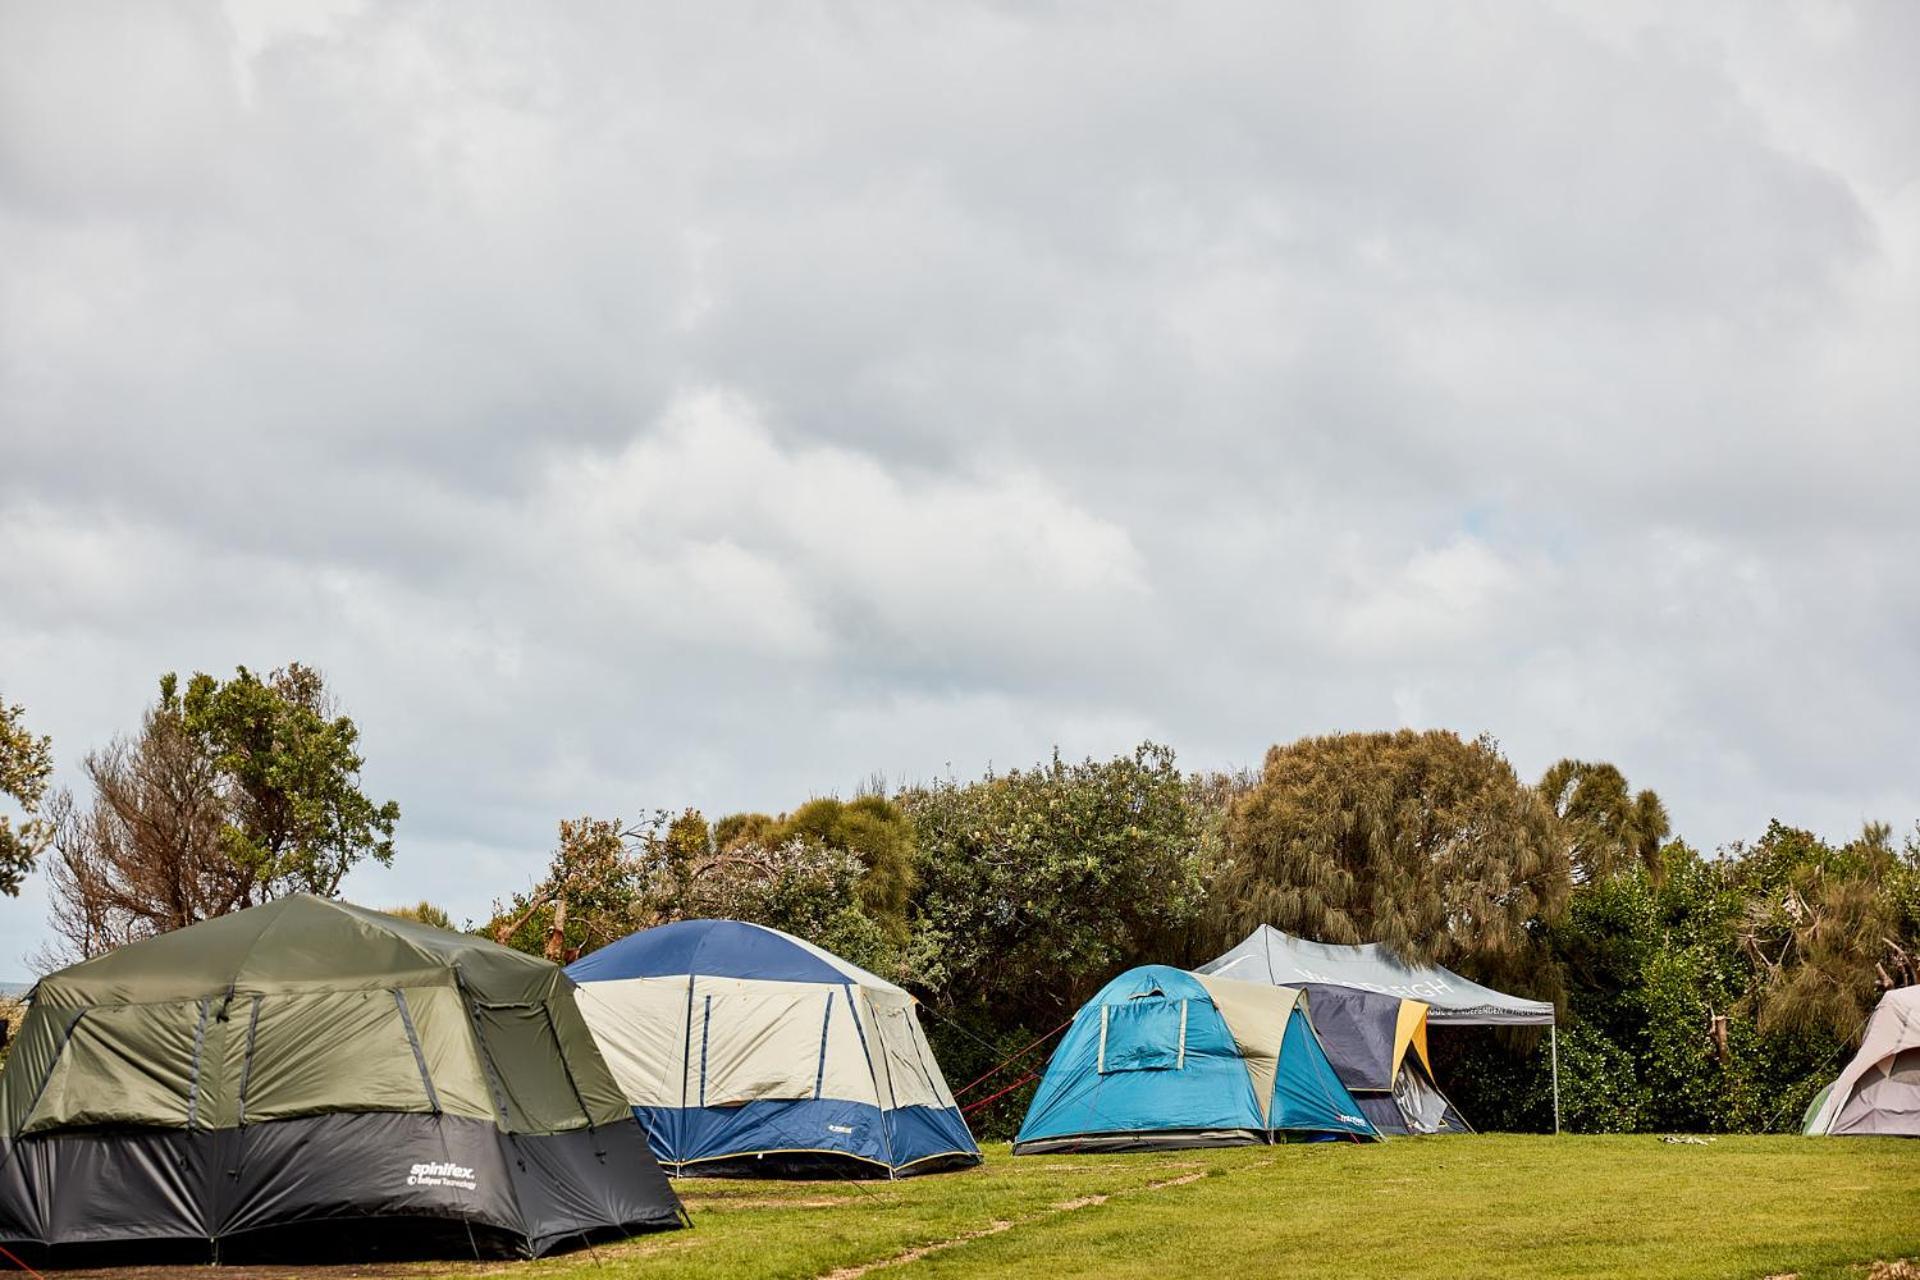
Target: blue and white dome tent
(743,1049)
(1166,1058)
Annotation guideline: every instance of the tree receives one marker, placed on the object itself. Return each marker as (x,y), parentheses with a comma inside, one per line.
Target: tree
(26,763)
(1420,841)
(1716,994)
(227,797)
(1038,885)
(146,855)
(12,1014)
(1829,929)
(607,879)
(1609,827)
(1656,984)
(291,770)
(423,912)
(604,880)
(872,829)
(744,828)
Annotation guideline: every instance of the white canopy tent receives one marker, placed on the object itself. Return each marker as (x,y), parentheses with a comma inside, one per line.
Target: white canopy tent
(1268,955)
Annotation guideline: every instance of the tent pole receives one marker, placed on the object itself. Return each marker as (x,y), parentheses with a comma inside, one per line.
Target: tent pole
(1553,1047)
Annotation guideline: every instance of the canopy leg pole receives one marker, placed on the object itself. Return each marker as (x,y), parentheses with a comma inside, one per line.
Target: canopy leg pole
(1553,1048)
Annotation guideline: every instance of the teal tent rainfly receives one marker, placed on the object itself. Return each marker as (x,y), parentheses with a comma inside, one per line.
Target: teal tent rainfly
(1166,1058)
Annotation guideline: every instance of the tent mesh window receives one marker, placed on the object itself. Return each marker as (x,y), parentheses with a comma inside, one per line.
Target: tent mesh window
(1148,1033)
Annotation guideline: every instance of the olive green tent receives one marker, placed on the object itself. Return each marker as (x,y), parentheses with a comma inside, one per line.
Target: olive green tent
(288,1069)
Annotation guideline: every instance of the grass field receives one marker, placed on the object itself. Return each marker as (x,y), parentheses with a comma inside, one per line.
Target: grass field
(1448,1207)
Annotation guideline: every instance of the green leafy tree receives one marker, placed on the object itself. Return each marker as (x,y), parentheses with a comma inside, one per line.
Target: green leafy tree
(1038,885)
(1609,826)
(688,838)
(1716,995)
(1654,966)
(1421,841)
(744,828)
(228,796)
(607,879)
(604,880)
(807,888)
(26,763)
(12,1014)
(877,832)
(291,764)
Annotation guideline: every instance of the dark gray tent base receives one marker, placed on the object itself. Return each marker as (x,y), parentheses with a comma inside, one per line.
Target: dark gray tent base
(355,1185)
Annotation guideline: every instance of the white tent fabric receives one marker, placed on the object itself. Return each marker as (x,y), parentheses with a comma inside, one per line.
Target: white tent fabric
(1879,1092)
(736,1042)
(1268,955)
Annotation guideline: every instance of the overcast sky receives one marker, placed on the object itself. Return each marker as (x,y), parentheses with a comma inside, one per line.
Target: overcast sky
(632,406)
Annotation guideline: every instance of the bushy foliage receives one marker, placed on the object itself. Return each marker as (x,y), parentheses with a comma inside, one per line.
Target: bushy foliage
(289,765)
(423,912)
(1038,885)
(12,1014)
(1829,928)
(607,879)
(26,763)
(1697,993)
(1424,842)
(1609,827)
(1679,976)
(876,832)
(1035,887)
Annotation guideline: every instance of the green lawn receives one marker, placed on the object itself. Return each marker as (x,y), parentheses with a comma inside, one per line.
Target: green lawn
(1446,1207)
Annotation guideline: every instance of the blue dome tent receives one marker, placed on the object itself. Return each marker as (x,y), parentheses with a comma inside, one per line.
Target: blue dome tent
(1166,1058)
(743,1049)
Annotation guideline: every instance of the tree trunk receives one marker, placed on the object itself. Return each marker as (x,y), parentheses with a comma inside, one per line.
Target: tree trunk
(557,933)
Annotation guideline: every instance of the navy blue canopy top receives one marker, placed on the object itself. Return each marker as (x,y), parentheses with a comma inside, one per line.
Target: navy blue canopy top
(718,949)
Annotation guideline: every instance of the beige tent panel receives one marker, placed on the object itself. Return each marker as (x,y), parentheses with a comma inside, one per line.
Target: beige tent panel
(757,1039)
(1257,1016)
(909,1065)
(640,1025)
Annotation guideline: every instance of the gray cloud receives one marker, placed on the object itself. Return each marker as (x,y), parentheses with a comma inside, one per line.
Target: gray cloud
(631,409)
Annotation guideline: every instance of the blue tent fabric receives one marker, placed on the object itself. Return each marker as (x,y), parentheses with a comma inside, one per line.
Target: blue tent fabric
(716,948)
(1151,1060)
(1307,1091)
(742,1048)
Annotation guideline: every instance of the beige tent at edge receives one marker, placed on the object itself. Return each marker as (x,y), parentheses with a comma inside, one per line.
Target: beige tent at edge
(1879,1092)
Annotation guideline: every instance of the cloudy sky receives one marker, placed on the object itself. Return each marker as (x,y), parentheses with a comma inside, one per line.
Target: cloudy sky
(634,406)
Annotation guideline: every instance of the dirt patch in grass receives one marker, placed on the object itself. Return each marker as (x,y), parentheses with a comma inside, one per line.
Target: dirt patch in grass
(1066,1206)
(902,1258)
(1000,1226)
(1177,1182)
(1898,1269)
